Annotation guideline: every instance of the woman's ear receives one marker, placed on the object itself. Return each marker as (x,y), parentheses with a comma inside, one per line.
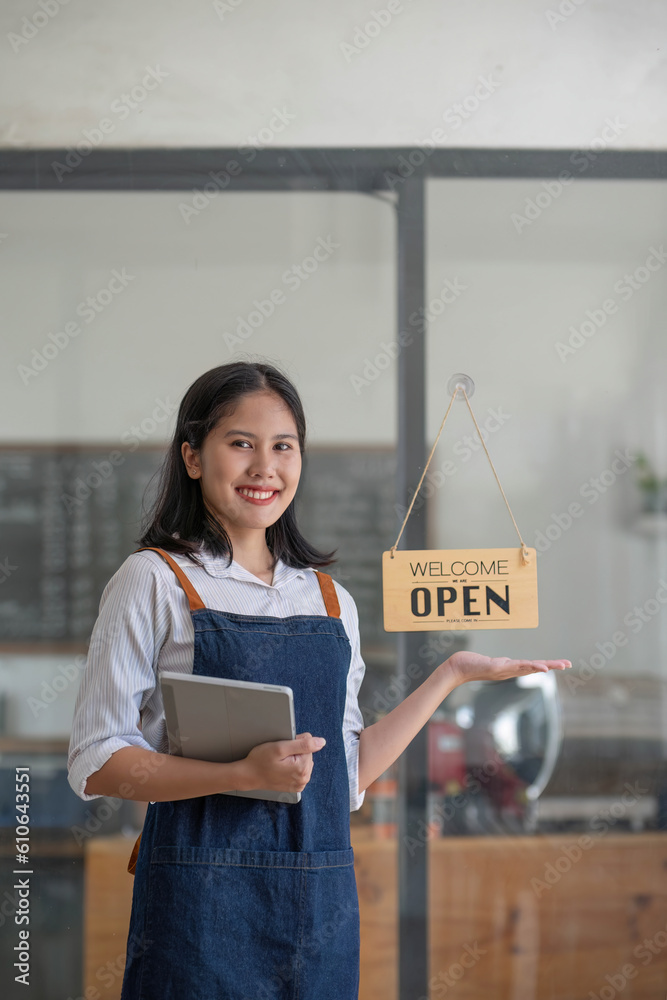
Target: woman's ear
(191,460)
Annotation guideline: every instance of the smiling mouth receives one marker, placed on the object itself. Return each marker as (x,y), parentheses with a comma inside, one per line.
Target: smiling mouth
(257,496)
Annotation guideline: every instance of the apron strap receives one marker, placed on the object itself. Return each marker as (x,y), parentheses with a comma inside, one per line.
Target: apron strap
(329,594)
(196,603)
(132,863)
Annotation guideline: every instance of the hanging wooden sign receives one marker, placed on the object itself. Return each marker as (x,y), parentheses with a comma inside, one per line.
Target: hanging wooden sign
(459,589)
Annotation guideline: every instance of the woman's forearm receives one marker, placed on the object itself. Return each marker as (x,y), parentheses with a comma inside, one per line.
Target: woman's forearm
(147,776)
(383,742)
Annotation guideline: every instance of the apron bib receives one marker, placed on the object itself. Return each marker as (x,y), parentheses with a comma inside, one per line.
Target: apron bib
(247,899)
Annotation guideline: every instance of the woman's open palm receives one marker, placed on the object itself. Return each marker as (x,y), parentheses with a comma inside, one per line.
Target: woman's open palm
(470,666)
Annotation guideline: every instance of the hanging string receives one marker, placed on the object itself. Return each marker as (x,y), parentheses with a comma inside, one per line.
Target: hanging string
(392,549)
(525,554)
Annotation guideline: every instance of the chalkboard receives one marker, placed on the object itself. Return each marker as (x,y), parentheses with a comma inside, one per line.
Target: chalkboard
(347,501)
(70,516)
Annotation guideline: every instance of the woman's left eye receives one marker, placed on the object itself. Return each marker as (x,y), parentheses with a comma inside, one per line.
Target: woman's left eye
(282,443)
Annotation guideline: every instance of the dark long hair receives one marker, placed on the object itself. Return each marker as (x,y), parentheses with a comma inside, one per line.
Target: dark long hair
(179,505)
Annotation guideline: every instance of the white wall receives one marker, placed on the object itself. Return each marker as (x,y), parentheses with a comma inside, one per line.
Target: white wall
(190,285)
(553,79)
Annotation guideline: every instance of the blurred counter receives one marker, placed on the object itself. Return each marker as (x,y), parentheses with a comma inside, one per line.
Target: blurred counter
(544,915)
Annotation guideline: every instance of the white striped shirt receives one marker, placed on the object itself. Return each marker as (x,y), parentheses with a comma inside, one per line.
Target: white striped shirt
(145,626)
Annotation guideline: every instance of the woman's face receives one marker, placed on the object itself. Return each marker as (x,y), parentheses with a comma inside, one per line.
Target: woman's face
(254,449)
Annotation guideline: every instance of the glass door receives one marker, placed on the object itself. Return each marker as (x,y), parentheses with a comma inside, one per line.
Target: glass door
(117,302)
(547,838)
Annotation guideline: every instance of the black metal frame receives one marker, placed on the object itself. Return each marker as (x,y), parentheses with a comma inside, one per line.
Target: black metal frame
(305,169)
(404,171)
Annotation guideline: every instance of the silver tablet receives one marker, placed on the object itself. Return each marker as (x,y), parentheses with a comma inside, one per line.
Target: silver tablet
(212,718)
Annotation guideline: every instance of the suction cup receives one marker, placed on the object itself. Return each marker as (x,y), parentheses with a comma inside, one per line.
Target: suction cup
(461,381)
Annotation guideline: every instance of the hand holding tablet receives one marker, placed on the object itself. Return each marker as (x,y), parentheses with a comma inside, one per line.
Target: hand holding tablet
(217,719)
(285,764)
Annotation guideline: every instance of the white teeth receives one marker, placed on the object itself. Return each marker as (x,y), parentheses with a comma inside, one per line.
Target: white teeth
(256,495)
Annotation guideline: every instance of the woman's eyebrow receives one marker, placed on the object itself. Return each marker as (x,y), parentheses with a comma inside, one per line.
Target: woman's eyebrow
(248,434)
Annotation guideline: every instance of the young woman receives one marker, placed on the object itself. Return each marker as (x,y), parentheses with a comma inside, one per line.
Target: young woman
(237,897)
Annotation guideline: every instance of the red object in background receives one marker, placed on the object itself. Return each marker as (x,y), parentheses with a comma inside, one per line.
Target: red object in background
(508,791)
(446,757)
(503,786)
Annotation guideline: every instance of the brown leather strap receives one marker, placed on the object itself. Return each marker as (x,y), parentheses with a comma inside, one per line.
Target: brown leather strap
(196,603)
(132,863)
(329,594)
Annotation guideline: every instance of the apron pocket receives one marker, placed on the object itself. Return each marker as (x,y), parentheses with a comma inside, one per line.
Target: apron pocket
(249,925)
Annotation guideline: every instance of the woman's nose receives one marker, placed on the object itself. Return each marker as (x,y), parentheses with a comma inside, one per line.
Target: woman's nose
(262,464)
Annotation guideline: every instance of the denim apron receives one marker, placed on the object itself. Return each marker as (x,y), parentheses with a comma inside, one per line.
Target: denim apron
(237,898)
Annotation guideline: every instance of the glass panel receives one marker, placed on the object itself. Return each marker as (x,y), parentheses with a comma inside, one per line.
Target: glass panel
(547,849)
(115,304)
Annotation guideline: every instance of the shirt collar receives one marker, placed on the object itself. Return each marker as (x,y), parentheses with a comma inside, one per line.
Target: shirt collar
(217,566)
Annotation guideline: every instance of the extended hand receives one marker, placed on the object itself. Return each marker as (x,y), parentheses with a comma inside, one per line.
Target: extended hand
(469,666)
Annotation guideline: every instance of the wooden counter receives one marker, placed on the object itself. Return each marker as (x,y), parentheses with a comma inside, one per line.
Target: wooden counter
(494,931)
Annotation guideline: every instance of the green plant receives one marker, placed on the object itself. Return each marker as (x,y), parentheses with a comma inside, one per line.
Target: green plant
(653,488)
